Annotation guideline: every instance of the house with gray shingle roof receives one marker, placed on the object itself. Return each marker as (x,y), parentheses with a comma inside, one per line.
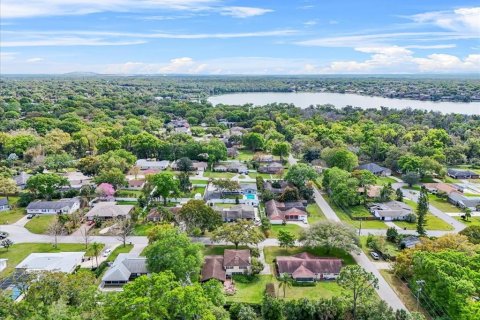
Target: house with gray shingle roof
(125,268)
(62,206)
(375,169)
(4,206)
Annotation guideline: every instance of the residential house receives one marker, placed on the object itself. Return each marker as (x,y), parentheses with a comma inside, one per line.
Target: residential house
(62,206)
(21,179)
(234,166)
(232,152)
(148,164)
(109,210)
(77,179)
(462,174)
(155,216)
(66,262)
(271,168)
(391,210)
(237,131)
(472,203)
(221,267)
(241,211)
(125,268)
(263,158)
(135,184)
(305,267)
(440,188)
(277,187)
(372,191)
(196,165)
(3,264)
(375,169)
(409,242)
(4,206)
(279,212)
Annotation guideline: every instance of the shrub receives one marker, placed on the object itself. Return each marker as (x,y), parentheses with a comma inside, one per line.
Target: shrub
(270,290)
(255,252)
(101,267)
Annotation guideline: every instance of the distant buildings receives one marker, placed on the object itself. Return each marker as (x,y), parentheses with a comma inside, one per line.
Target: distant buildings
(462,174)
(472,203)
(146,164)
(4,206)
(375,169)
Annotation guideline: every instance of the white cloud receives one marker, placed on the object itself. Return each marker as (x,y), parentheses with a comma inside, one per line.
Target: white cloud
(66,41)
(7,56)
(446,62)
(33,60)
(310,23)
(461,20)
(243,12)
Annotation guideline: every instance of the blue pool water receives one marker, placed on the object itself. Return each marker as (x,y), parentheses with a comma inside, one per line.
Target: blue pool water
(250,196)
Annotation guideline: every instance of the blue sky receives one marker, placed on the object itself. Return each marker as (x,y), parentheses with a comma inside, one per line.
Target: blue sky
(240,37)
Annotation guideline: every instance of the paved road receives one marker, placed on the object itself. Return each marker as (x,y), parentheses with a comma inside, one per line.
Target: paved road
(384,290)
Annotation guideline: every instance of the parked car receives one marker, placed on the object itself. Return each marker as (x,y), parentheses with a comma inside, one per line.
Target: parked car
(3,235)
(375,255)
(30,216)
(107,252)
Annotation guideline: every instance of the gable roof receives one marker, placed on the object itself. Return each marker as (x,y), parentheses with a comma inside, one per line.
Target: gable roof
(307,265)
(276,210)
(109,210)
(52,205)
(372,167)
(3,202)
(241,211)
(240,258)
(213,268)
(124,265)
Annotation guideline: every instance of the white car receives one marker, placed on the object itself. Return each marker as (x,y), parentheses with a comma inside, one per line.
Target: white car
(107,252)
(375,255)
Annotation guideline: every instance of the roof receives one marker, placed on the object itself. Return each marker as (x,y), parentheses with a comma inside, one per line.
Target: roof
(241,211)
(307,265)
(391,209)
(124,265)
(136,183)
(152,163)
(109,210)
(21,178)
(372,167)
(277,210)
(213,268)
(240,258)
(461,172)
(268,186)
(410,241)
(443,187)
(59,261)
(52,205)
(3,202)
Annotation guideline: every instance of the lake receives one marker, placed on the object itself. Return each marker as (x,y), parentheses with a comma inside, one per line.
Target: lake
(340,100)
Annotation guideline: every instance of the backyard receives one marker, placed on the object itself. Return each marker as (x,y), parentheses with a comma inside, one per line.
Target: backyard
(40,223)
(272,252)
(18,252)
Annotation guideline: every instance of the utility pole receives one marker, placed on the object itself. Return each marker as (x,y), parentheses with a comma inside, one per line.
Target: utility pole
(420,283)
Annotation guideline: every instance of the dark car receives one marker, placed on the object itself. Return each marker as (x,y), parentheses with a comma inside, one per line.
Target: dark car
(30,216)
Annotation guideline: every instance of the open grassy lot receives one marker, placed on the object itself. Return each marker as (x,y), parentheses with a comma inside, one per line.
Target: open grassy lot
(11,216)
(266,176)
(218,175)
(366,224)
(118,250)
(433,222)
(403,292)
(385,180)
(272,252)
(473,221)
(40,223)
(253,292)
(315,214)
(244,155)
(293,228)
(18,252)
(442,204)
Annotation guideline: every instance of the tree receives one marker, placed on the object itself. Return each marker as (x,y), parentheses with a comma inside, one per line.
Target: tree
(272,308)
(184,164)
(58,161)
(422,210)
(281,149)
(113,176)
(7,243)
(85,235)
(173,250)
(241,311)
(299,174)
(105,190)
(184,181)
(330,235)
(411,178)
(162,296)
(239,232)
(284,281)
(340,158)
(366,179)
(44,185)
(223,185)
(289,194)
(213,289)
(386,192)
(55,229)
(410,163)
(124,228)
(7,186)
(472,233)
(135,171)
(392,234)
(165,184)
(468,214)
(96,248)
(286,239)
(360,283)
(196,214)
(89,165)
(253,141)
(399,194)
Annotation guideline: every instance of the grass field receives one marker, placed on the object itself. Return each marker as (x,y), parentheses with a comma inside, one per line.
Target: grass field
(366,224)
(253,175)
(40,223)
(315,214)
(385,180)
(473,221)
(11,216)
(142,229)
(18,252)
(244,155)
(442,204)
(194,181)
(218,175)
(218,250)
(292,228)
(433,222)
(118,250)
(128,193)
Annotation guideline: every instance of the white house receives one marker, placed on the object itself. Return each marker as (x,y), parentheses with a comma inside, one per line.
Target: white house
(62,206)
(55,262)
(147,164)
(125,268)
(391,210)
(3,264)
(4,206)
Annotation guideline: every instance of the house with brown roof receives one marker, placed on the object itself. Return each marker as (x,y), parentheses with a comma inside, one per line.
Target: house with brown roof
(221,267)
(241,211)
(278,212)
(275,187)
(440,187)
(135,184)
(155,216)
(305,267)
(271,168)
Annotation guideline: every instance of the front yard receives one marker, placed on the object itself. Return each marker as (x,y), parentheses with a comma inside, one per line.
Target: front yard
(218,175)
(292,228)
(442,204)
(40,223)
(315,214)
(433,222)
(11,216)
(18,252)
(473,221)
(118,250)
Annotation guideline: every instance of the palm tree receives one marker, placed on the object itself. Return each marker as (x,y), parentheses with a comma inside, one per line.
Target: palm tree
(284,281)
(468,214)
(96,248)
(87,192)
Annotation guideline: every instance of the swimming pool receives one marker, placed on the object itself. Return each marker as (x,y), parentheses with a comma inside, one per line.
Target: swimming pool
(250,196)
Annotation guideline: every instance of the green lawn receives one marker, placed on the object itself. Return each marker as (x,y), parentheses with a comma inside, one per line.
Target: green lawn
(18,252)
(385,180)
(391,247)
(218,175)
(128,193)
(366,224)
(292,228)
(473,221)
(253,292)
(142,229)
(195,181)
(315,214)
(218,250)
(442,204)
(40,223)
(245,155)
(433,222)
(254,175)
(118,250)
(272,252)
(133,203)
(11,216)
